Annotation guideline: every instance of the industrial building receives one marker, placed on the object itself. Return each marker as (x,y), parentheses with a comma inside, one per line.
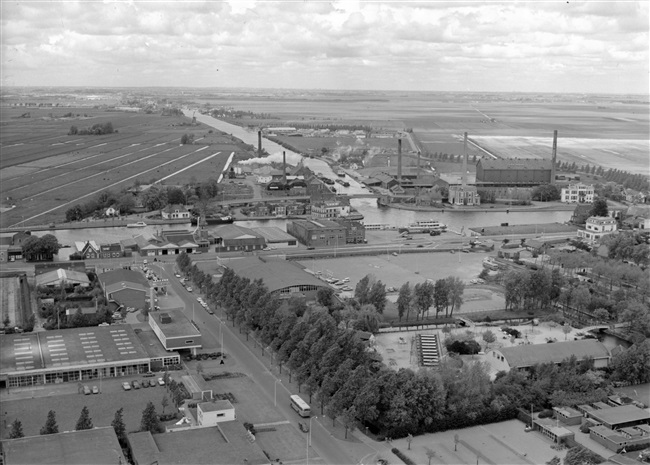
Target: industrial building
(98,446)
(174,330)
(513,172)
(125,287)
(276,237)
(517,172)
(281,277)
(525,356)
(76,354)
(231,238)
(315,233)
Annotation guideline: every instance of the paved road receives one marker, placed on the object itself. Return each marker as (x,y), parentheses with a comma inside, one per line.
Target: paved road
(328,448)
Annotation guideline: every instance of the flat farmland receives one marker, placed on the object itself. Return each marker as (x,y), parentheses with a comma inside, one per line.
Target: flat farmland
(610,130)
(628,154)
(343,144)
(51,171)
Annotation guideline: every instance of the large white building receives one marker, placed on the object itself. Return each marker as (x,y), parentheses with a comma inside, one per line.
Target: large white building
(577,193)
(596,227)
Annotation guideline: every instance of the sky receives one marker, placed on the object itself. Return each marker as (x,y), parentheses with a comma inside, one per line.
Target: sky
(483,46)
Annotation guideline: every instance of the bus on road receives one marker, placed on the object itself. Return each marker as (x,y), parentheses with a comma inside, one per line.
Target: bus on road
(300,406)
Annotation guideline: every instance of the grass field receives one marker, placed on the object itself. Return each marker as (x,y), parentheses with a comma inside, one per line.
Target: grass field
(10,300)
(45,171)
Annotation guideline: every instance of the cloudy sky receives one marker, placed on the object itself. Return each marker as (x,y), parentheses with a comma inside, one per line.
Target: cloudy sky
(541,46)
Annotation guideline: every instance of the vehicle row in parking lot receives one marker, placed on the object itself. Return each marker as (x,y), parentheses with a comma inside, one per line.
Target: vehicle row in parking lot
(145,383)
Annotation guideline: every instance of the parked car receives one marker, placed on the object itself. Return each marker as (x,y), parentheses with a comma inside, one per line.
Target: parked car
(144,383)
(95,390)
(149,374)
(189,289)
(135,384)
(161,382)
(126,386)
(87,390)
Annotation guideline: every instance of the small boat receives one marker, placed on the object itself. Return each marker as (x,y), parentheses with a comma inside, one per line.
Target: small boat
(215,219)
(139,224)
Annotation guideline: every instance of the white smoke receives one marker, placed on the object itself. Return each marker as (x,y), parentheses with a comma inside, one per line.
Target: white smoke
(292,159)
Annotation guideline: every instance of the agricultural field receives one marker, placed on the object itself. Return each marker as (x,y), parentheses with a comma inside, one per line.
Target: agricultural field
(609,130)
(45,171)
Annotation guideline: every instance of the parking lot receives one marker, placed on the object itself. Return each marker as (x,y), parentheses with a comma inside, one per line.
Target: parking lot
(67,403)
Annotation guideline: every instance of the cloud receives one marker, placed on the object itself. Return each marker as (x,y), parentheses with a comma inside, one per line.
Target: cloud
(363,45)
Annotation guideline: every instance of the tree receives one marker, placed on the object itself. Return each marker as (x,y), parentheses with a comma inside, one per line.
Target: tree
(423,297)
(431,453)
(441,296)
(633,364)
(199,368)
(362,289)
(579,455)
(566,329)
(187,139)
(125,203)
(16,430)
(489,338)
(164,402)
(546,193)
(175,196)
(325,296)
(50,424)
(118,424)
(150,421)
(404,301)
(73,130)
(456,288)
(599,207)
(154,198)
(74,213)
(377,296)
(84,421)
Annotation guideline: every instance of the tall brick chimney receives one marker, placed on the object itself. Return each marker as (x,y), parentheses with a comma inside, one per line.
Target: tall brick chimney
(284,167)
(554,157)
(464,177)
(259,142)
(399,161)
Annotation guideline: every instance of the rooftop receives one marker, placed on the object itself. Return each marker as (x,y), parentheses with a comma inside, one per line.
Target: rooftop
(230,231)
(122,275)
(180,326)
(622,414)
(98,446)
(274,234)
(62,275)
(515,163)
(318,224)
(216,406)
(75,347)
(276,274)
(224,444)
(530,354)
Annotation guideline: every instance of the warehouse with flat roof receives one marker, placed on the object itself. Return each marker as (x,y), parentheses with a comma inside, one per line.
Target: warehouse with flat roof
(75,354)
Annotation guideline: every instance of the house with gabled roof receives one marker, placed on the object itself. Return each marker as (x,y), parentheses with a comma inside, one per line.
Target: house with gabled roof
(125,287)
(87,249)
(175,212)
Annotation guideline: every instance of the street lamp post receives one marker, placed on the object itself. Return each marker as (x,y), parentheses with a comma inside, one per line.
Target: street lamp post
(309,438)
(275,391)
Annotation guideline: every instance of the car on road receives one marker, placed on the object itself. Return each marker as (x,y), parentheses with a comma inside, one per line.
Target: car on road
(310,248)
(95,390)
(189,289)
(87,390)
(149,374)
(126,386)
(304,427)
(394,254)
(161,382)
(135,384)
(177,275)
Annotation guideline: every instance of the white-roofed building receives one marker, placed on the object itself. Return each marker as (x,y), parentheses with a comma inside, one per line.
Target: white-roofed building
(67,278)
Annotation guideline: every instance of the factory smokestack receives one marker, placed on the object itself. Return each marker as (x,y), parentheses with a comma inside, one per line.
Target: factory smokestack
(554,157)
(399,161)
(259,142)
(284,168)
(464,177)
